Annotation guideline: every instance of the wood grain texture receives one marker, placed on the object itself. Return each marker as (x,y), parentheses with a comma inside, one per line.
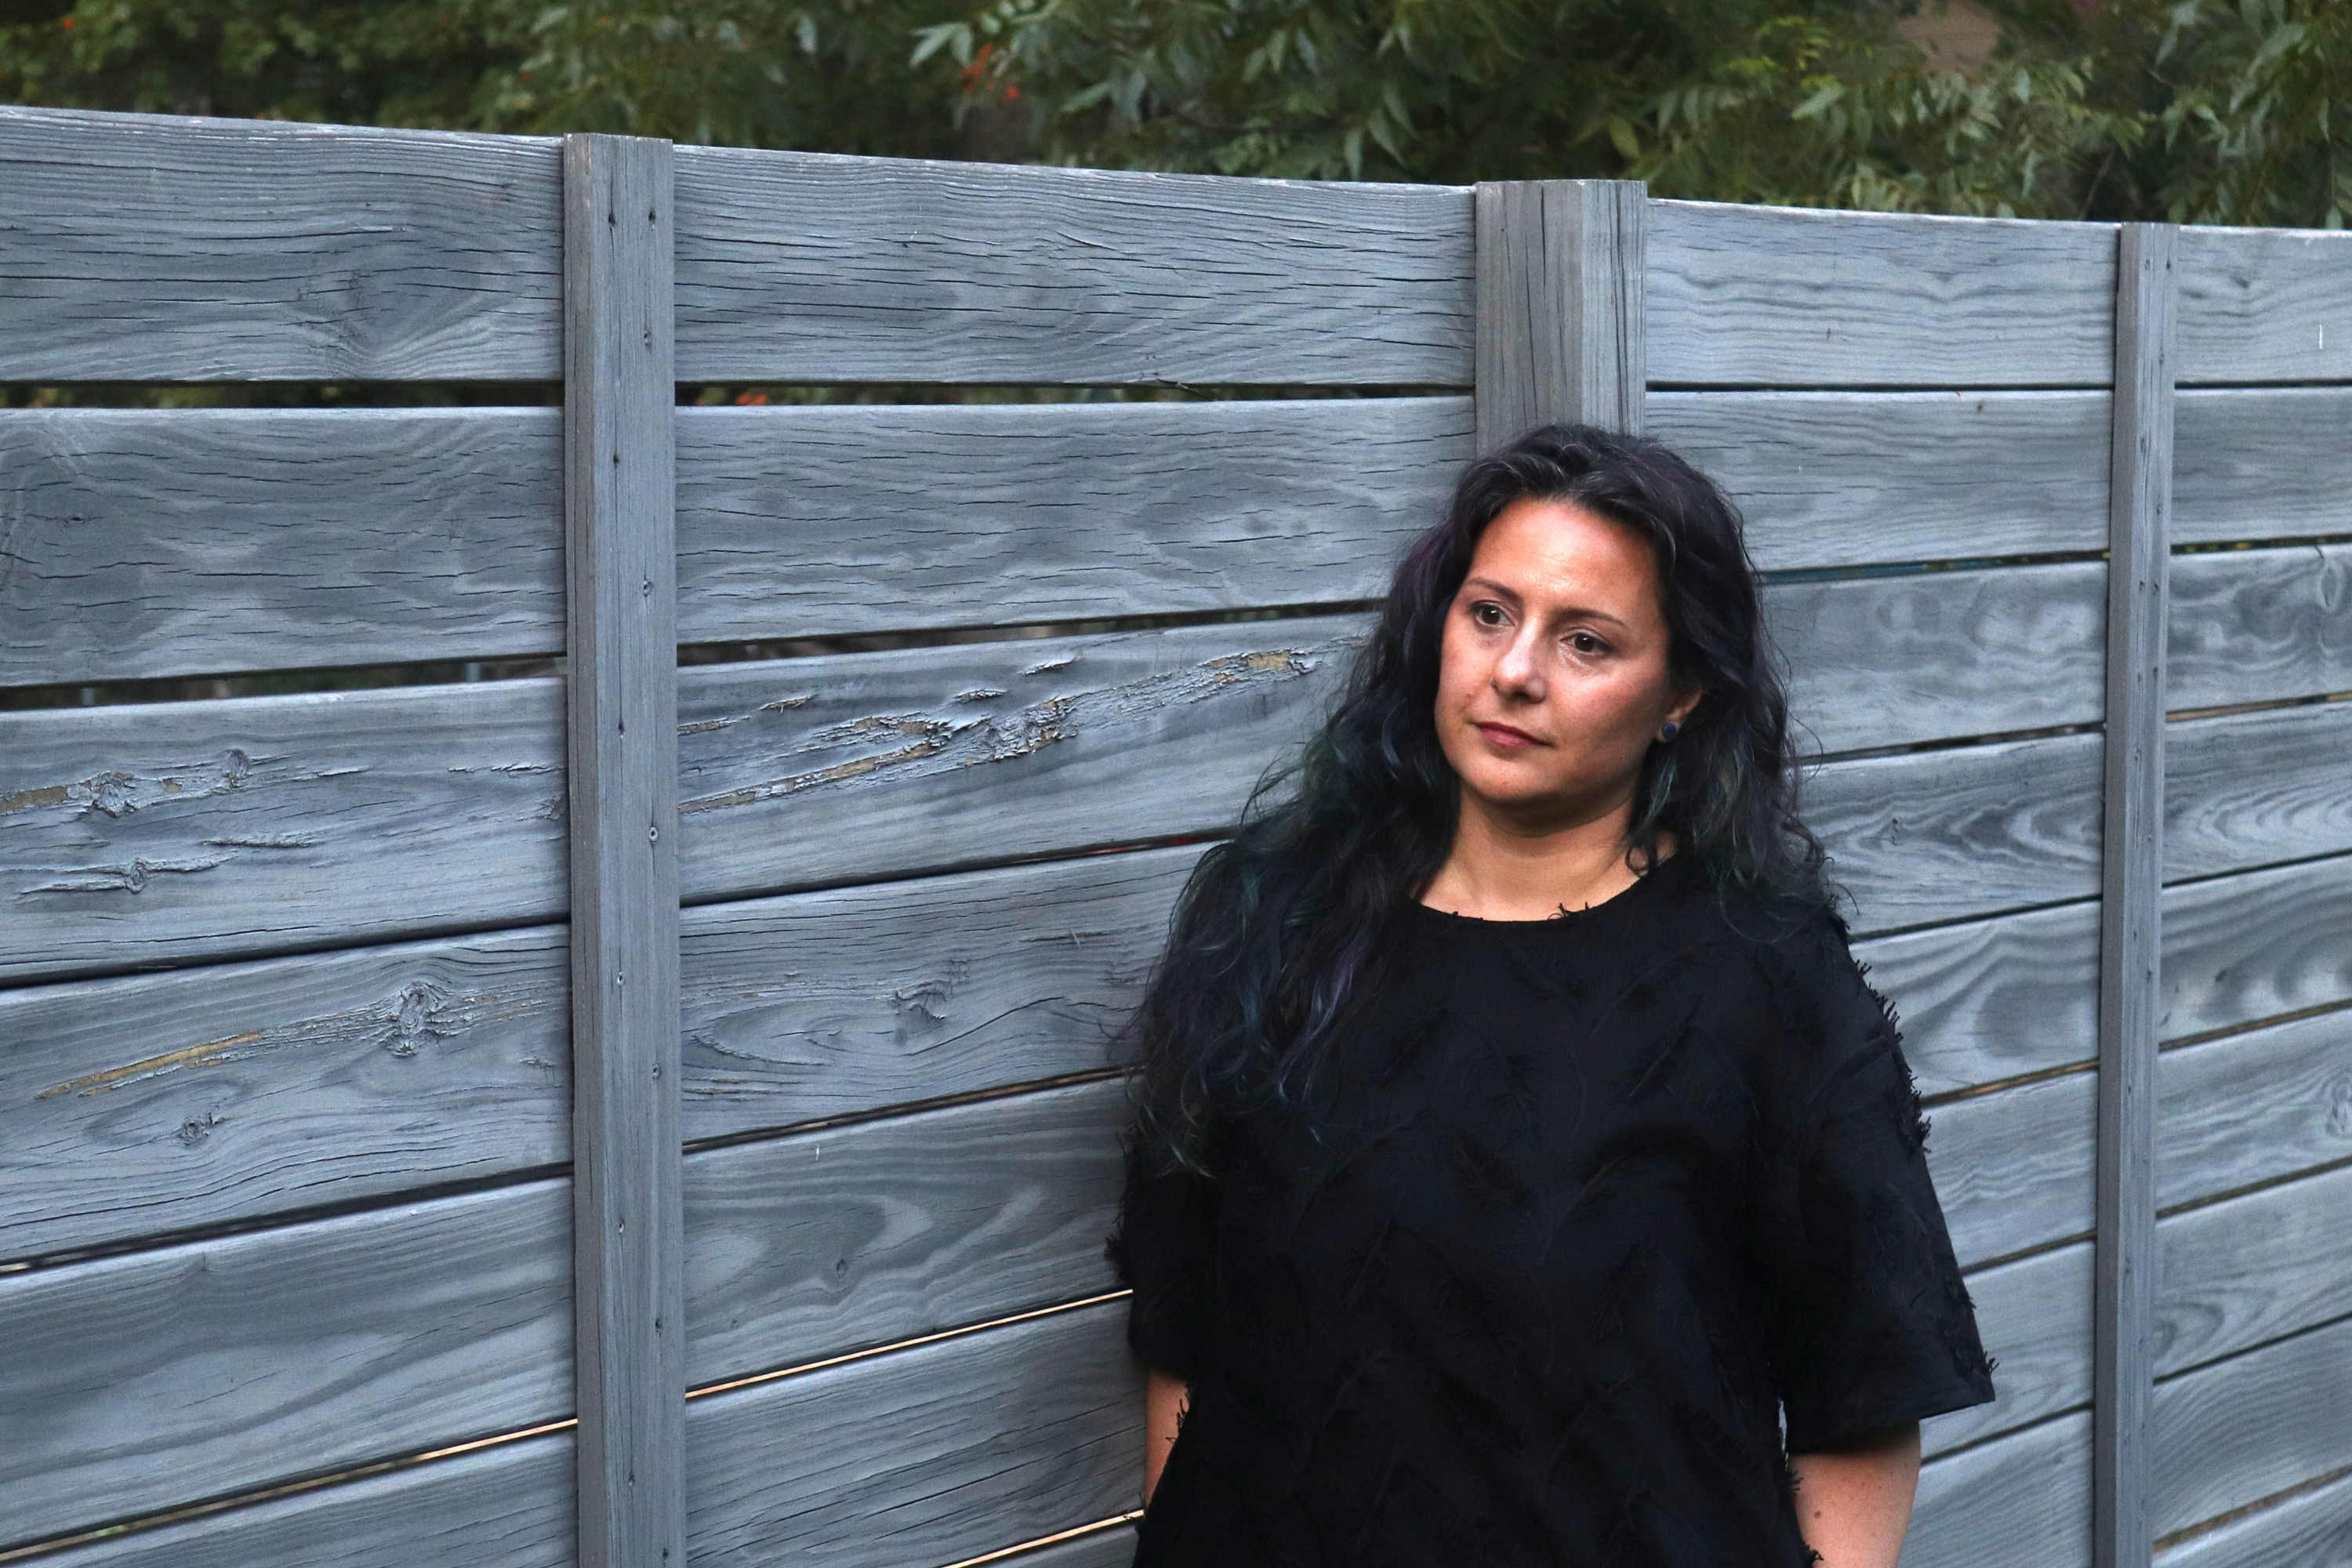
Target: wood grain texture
(2310,1529)
(926,1454)
(2023,1501)
(829,1241)
(1748,296)
(2228,1275)
(2261,463)
(156,1103)
(2243,948)
(1985,1000)
(2260,626)
(198,830)
(815,266)
(173,831)
(2250,1428)
(2259,305)
(1894,660)
(1948,835)
(806,521)
(2033,1315)
(2235,1274)
(506,1507)
(850,767)
(148,542)
(1856,479)
(2255,789)
(2013,1168)
(1110,1547)
(1560,315)
(164,248)
(620,549)
(2253,1106)
(2139,578)
(834,1003)
(151,1379)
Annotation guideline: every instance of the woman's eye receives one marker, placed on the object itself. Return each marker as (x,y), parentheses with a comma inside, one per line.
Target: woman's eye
(1585,642)
(1486,613)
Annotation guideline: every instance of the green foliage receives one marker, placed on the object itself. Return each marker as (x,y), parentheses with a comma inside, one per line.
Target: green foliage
(2206,110)
(828,75)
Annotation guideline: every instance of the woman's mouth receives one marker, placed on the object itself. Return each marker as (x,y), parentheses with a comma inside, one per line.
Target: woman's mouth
(1504,735)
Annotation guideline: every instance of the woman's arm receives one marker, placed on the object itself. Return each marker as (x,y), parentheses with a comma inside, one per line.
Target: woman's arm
(1164,1404)
(1854,1504)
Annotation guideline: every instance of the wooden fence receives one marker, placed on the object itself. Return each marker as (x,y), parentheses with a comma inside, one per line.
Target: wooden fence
(316,1003)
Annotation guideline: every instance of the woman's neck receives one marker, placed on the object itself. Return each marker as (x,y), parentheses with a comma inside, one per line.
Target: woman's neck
(1500,870)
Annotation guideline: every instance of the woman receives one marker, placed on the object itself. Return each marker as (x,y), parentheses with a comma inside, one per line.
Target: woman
(1515,1138)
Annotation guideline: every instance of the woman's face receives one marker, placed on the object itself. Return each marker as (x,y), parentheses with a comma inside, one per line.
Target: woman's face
(1553,679)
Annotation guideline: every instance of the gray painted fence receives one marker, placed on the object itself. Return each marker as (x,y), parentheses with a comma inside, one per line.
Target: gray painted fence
(309,1005)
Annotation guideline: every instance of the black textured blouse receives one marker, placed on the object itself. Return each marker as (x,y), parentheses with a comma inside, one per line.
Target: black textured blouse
(1585,1210)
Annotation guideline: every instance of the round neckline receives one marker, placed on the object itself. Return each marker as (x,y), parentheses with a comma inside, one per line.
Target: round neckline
(1561,919)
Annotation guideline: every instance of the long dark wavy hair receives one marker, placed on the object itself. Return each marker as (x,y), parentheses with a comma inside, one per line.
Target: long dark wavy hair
(1280,923)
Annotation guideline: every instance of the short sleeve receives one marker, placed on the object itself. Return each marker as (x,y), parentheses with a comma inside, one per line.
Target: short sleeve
(1870,1322)
(1163,1248)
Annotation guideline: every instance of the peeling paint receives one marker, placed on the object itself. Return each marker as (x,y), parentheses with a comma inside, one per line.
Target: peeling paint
(415,1015)
(979,694)
(938,745)
(781,704)
(128,878)
(268,841)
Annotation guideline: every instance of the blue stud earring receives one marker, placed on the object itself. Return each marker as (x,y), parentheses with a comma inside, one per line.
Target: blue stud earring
(1669,730)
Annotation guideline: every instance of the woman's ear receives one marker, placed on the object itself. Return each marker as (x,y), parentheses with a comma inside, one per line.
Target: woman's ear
(1686,698)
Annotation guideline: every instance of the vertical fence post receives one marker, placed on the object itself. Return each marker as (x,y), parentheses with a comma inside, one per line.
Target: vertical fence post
(2132,850)
(1561,312)
(621,578)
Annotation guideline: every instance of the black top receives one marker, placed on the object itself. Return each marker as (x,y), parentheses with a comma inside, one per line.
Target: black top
(1585,1203)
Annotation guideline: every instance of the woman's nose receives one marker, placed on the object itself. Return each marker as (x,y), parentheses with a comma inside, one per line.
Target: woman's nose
(1516,671)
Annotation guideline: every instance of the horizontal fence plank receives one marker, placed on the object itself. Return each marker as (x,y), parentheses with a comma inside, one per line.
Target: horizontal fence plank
(188,830)
(851,766)
(181,831)
(1110,1547)
(1930,656)
(1750,296)
(1981,1001)
(2261,304)
(848,1000)
(2242,790)
(2261,463)
(2259,625)
(807,1246)
(1983,473)
(2253,1106)
(864,518)
(133,1383)
(155,1103)
(815,266)
(2023,1501)
(2310,1529)
(148,542)
(2240,1430)
(1946,835)
(2229,1275)
(164,247)
(138,1383)
(2233,1274)
(2012,1169)
(2240,948)
(511,1506)
(931,1453)
(2033,1315)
